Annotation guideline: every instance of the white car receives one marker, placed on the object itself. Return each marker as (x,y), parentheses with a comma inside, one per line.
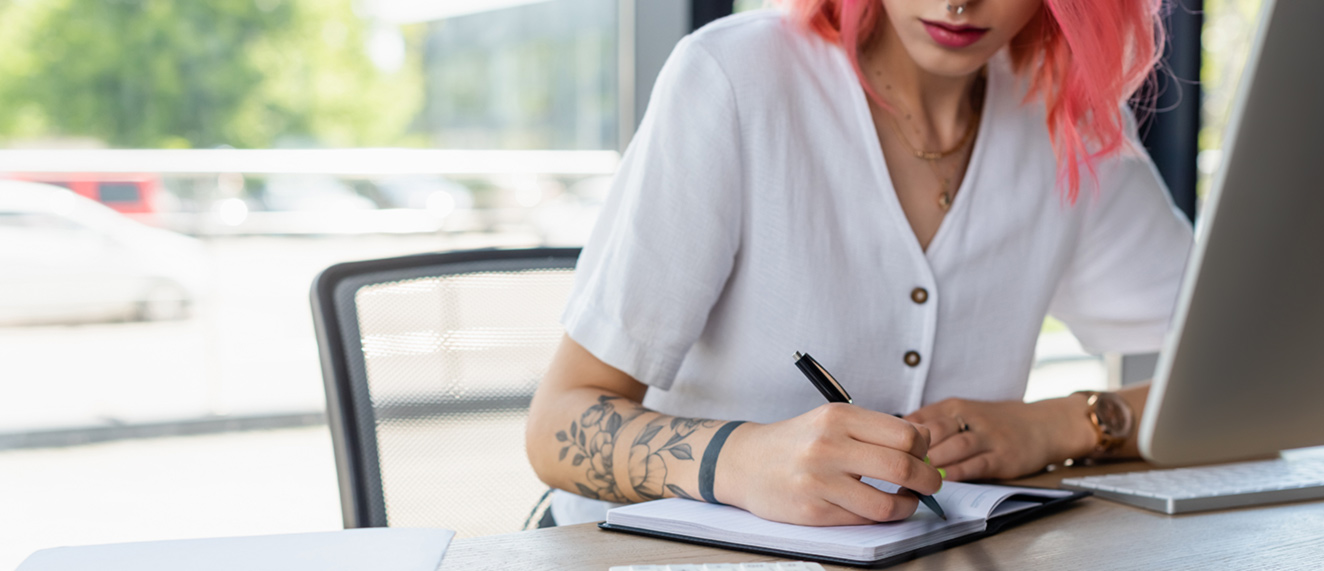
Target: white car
(69,259)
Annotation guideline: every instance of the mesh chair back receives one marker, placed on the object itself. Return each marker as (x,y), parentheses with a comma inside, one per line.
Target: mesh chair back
(429,363)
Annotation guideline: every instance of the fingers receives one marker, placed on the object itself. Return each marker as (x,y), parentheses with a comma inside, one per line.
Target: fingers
(877,445)
(943,419)
(977,467)
(839,499)
(941,428)
(824,453)
(891,466)
(824,512)
(876,428)
(956,449)
(871,504)
(959,450)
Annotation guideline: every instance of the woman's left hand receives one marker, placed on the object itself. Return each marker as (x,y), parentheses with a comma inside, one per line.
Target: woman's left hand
(974,440)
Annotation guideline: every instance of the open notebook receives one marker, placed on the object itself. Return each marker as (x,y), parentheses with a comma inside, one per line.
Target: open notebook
(973,511)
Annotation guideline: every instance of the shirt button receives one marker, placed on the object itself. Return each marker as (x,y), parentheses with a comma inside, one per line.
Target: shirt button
(912,358)
(919,295)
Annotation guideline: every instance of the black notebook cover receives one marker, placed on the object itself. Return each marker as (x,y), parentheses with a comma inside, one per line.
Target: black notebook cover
(995,525)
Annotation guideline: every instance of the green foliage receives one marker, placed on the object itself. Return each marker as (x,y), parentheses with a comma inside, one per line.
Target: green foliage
(171,73)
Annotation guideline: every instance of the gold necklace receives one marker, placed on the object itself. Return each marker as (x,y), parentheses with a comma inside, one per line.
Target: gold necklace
(932,157)
(935,155)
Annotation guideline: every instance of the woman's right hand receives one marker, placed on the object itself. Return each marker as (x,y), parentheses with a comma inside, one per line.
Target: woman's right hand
(806,470)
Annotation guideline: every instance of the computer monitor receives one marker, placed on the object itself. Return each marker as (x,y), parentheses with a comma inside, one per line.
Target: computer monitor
(1242,372)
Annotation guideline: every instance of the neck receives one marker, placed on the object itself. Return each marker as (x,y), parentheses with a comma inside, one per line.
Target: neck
(936,109)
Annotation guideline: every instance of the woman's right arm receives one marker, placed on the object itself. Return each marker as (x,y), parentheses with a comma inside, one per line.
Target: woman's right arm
(589,434)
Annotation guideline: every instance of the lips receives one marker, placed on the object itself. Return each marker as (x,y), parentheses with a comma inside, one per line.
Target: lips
(952,35)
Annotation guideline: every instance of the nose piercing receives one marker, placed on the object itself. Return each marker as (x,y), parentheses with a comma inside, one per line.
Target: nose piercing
(958,10)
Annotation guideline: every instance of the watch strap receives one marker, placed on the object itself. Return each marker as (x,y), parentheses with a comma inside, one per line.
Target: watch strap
(1107,438)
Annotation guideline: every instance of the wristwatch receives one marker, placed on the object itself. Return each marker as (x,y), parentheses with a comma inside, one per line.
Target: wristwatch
(1112,419)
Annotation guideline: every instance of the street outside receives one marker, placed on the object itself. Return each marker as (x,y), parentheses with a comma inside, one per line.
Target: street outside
(249,349)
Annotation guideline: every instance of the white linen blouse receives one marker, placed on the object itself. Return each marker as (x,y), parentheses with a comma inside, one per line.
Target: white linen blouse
(753,216)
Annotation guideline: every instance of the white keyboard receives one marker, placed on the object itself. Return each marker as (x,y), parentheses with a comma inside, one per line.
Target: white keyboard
(1183,490)
(768,566)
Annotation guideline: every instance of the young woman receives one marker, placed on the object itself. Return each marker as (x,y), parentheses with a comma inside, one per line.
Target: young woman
(902,188)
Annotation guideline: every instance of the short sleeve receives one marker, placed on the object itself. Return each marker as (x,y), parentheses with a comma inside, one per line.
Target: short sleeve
(1120,288)
(665,242)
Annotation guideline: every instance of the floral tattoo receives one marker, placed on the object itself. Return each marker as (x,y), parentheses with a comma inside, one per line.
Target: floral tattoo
(593,441)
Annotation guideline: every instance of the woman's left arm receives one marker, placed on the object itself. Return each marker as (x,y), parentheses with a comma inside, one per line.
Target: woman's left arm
(974,440)
(1117,296)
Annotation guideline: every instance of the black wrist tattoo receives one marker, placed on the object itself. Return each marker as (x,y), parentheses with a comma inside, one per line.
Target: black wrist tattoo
(708,467)
(593,438)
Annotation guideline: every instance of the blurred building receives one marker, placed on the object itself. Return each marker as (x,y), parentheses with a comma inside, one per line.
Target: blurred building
(539,75)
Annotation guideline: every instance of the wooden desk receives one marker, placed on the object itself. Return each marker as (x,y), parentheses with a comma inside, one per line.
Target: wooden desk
(1094,534)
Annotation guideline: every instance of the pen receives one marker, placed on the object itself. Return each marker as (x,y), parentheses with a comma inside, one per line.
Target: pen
(834,392)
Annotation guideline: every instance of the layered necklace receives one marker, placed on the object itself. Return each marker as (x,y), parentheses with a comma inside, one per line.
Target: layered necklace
(946,171)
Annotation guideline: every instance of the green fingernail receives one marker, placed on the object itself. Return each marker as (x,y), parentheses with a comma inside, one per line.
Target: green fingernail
(942,473)
(926,460)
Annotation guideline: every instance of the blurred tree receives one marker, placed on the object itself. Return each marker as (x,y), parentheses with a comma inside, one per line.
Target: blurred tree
(169,73)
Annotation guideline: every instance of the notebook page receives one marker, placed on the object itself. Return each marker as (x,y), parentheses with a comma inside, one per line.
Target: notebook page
(979,500)
(734,525)
(968,506)
(970,500)
(1012,506)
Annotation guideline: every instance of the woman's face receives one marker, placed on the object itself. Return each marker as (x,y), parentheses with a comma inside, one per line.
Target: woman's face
(945,43)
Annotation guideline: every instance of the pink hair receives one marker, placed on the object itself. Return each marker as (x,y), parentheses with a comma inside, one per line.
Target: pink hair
(1084,58)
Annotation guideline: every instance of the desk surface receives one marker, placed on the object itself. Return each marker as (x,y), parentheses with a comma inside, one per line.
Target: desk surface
(1094,534)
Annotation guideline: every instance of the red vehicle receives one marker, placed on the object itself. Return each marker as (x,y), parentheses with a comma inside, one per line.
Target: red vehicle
(127,193)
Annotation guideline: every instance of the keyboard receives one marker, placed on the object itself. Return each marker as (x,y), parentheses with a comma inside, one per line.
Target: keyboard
(767,566)
(1184,490)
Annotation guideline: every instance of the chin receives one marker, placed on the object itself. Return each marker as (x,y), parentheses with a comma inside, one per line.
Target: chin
(944,63)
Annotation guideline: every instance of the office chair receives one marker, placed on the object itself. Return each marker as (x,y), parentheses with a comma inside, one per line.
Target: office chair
(429,363)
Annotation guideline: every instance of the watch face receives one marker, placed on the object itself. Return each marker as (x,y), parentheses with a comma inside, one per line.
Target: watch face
(1114,415)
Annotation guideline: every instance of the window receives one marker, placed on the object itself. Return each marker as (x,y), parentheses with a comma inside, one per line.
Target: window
(223,153)
(230,151)
(1228,32)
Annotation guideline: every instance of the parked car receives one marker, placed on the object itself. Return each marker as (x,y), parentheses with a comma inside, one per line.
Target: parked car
(70,259)
(128,193)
